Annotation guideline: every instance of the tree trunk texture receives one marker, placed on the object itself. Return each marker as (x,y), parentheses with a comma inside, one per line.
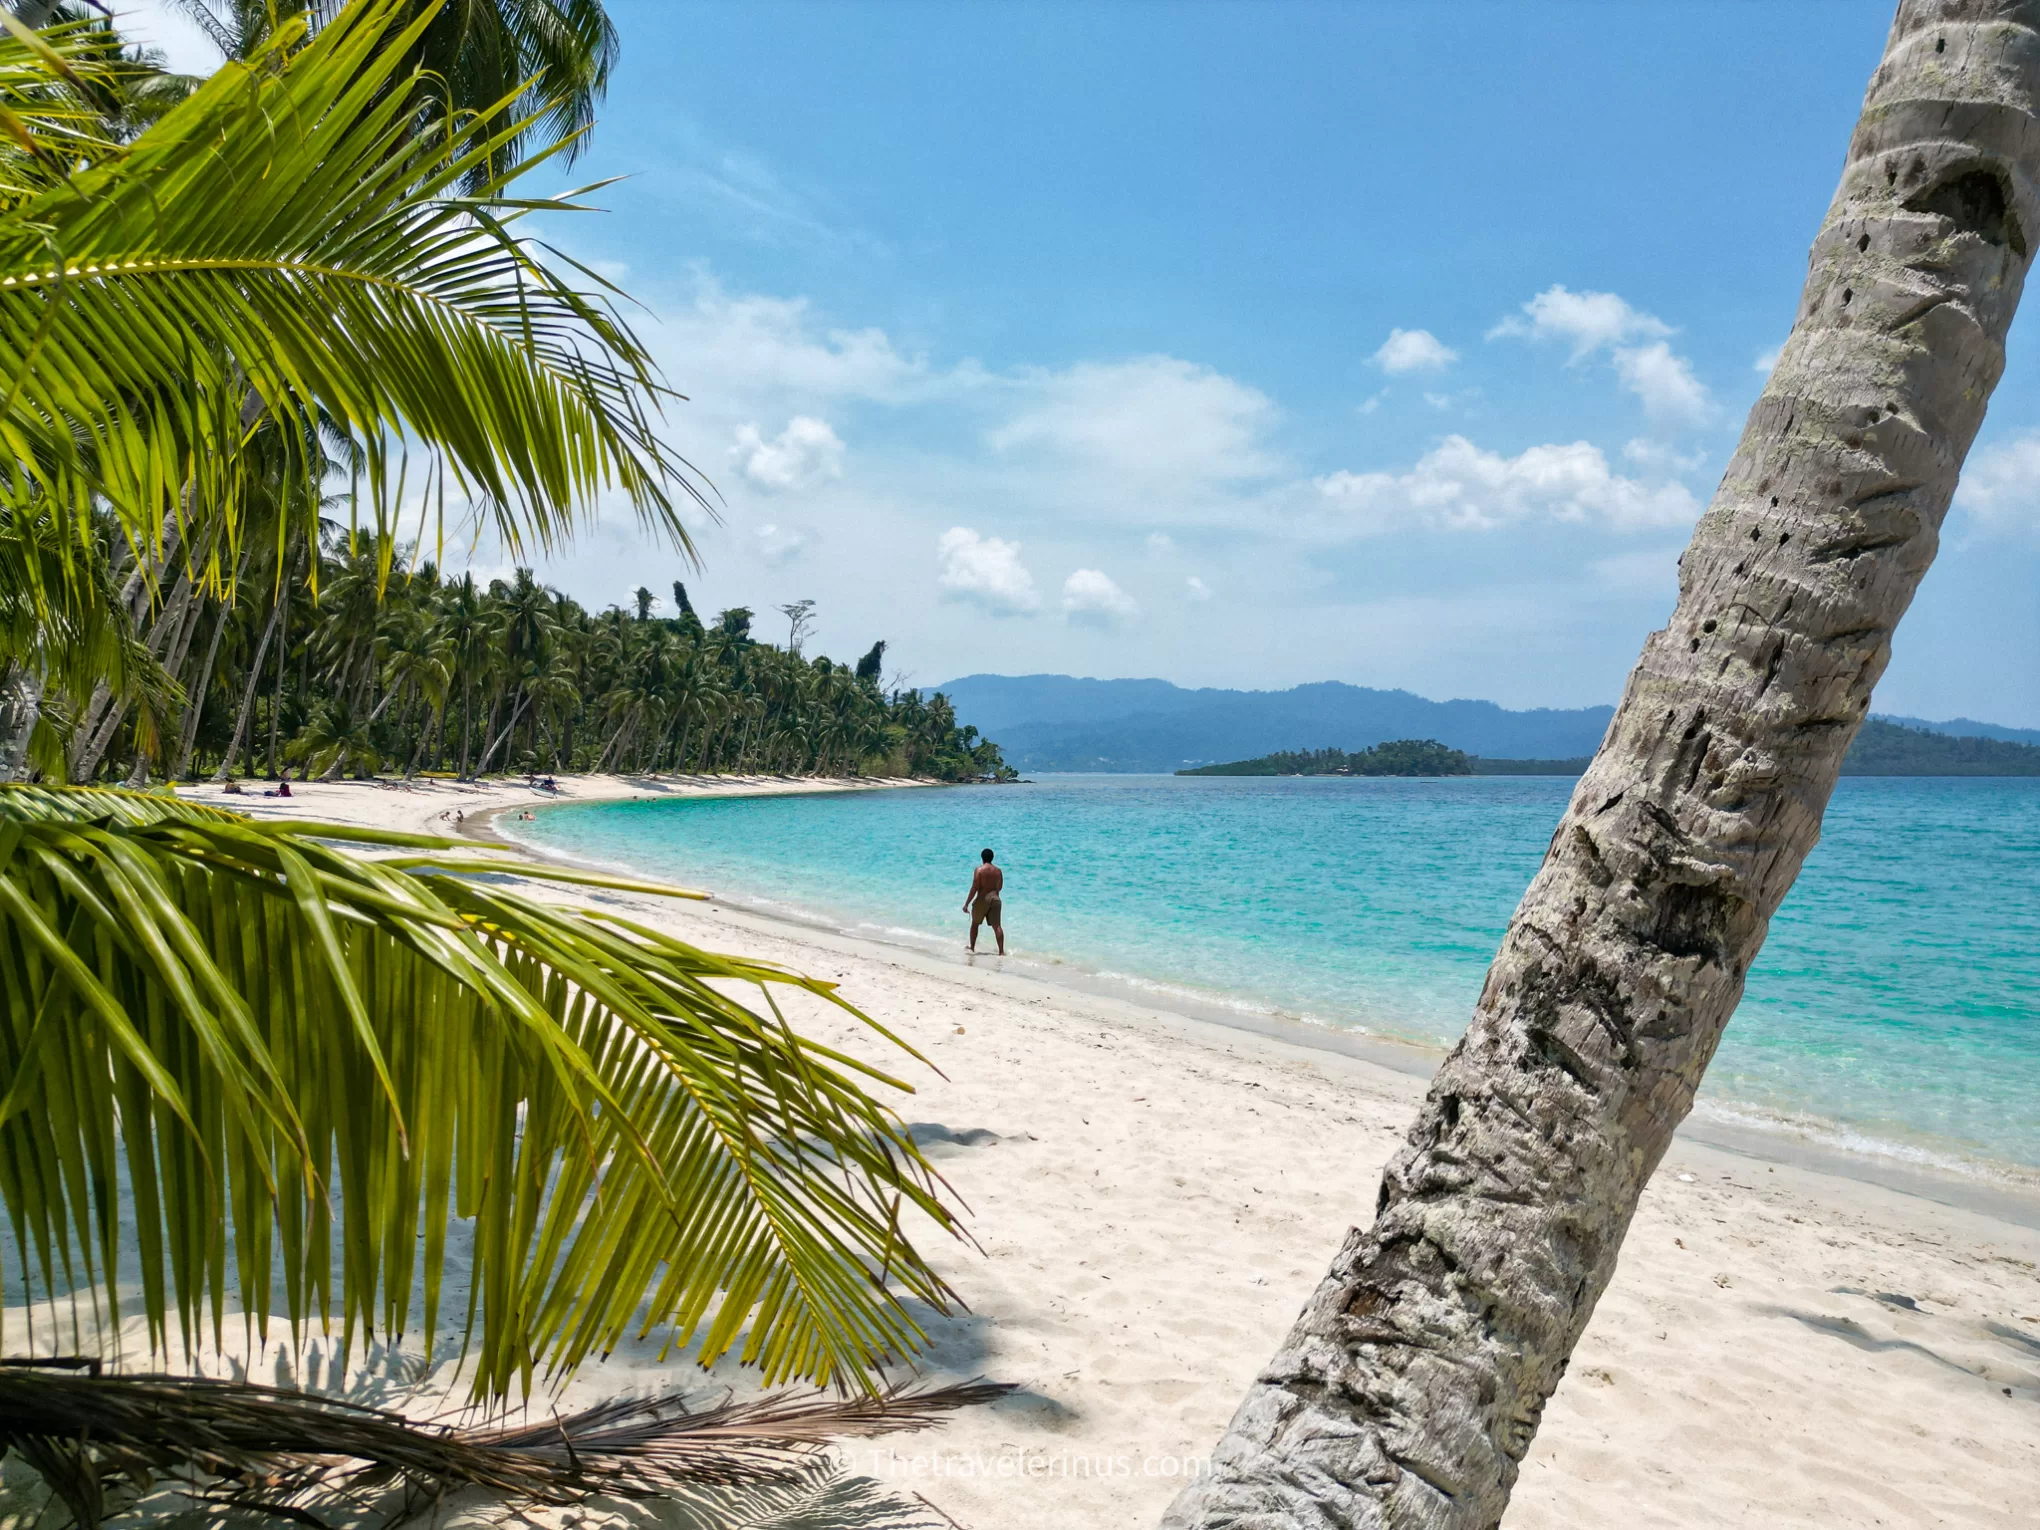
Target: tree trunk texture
(247,708)
(137,593)
(179,649)
(489,754)
(194,712)
(25,700)
(106,713)
(1413,1382)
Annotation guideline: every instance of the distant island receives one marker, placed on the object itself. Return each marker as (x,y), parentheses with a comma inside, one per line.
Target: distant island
(1060,723)
(1065,723)
(1881,749)
(1889,749)
(1398,757)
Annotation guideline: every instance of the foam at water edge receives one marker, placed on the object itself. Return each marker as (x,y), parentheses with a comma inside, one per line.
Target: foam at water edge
(1847,1139)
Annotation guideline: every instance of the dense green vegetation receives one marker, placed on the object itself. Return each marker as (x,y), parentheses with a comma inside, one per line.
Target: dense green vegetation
(379,668)
(1400,757)
(1888,749)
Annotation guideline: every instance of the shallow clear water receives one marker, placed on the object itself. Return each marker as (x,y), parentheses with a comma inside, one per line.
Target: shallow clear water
(1897,1001)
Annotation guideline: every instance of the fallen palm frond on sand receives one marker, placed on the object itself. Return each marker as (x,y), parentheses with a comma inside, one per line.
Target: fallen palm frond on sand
(100,1443)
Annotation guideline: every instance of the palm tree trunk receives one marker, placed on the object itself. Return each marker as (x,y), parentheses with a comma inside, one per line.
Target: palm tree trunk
(195,708)
(96,735)
(615,738)
(178,649)
(276,696)
(515,713)
(135,593)
(26,702)
(1411,1386)
(233,751)
(426,735)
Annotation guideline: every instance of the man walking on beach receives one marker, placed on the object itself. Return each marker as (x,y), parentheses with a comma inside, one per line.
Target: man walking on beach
(986,883)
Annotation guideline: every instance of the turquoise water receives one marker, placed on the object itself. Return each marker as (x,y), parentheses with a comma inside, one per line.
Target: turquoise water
(1896,1007)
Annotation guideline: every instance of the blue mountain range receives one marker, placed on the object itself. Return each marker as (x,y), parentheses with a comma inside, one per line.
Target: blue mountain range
(1061,722)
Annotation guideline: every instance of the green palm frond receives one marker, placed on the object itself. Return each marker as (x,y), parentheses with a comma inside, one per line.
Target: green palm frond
(55,85)
(236,1051)
(285,243)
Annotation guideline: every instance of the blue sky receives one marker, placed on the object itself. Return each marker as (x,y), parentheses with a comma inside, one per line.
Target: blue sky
(1247,344)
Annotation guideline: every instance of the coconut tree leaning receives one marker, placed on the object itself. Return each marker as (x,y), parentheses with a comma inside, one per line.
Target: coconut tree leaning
(1411,1386)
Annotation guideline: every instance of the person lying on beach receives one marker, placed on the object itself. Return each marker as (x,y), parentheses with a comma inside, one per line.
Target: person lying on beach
(983,902)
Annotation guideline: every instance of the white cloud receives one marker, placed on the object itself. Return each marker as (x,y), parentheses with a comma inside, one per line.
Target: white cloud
(1664,380)
(722,346)
(1090,597)
(1646,365)
(1658,457)
(1413,350)
(2000,486)
(1161,542)
(1199,590)
(986,572)
(1590,320)
(1157,422)
(1459,487)
(803,454)
(779,545)
(1373,402)
(1768,360)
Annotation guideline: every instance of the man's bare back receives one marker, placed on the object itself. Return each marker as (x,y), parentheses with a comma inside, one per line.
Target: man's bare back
(983,903)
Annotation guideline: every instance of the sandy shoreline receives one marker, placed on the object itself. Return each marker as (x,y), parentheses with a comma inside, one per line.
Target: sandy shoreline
(429,806)
(1156,1193)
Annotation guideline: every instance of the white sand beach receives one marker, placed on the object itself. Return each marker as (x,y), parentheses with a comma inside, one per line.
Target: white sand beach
(1155,1194)
(436,806)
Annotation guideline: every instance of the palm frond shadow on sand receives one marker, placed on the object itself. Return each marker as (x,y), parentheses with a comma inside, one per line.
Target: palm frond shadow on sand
(232,1452)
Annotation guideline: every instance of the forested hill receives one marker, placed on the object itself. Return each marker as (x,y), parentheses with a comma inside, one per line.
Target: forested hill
(1881,749)
(1056,722)
(1402,757)
(1887,749)
(1063,723)
(1969,727)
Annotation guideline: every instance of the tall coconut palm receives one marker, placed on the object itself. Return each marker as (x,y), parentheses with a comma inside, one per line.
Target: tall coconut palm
(532,70)
(213,1070)
(350,285)
(1411,1386)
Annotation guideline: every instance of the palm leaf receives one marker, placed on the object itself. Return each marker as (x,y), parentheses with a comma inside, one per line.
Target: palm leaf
(307,1070)
(286,243)
(240,1446)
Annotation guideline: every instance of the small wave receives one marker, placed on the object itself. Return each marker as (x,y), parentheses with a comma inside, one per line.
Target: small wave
(1237,1002)
(1842,1137)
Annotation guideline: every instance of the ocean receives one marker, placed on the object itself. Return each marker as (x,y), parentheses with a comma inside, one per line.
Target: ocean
(1895,1009)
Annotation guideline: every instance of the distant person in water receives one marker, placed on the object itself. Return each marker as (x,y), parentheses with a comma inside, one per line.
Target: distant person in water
(986,883)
